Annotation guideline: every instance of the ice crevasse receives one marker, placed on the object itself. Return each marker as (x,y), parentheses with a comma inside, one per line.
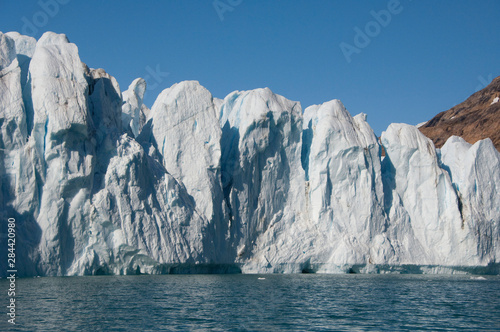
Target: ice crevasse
(98,183)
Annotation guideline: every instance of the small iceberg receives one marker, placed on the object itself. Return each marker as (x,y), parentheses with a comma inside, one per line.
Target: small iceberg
(478,278)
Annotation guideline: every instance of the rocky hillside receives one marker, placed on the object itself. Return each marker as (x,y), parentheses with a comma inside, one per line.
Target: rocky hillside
(476,118)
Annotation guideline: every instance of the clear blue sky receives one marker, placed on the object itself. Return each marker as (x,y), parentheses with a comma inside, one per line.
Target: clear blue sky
(429,57)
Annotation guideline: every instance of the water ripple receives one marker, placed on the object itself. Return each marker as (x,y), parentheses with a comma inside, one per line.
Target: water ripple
(245,303)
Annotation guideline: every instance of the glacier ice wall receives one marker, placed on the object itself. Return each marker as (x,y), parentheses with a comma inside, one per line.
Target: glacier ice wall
(261,172)
(344,188)
(474,171)
(100,184)
(421,200)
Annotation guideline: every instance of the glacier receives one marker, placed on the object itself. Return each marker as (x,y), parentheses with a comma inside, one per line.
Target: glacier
(98,183)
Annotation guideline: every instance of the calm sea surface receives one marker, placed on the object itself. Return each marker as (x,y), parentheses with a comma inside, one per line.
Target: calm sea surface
(246,303)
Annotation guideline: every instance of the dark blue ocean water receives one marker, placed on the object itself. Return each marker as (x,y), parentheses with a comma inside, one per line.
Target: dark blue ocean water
(306,302)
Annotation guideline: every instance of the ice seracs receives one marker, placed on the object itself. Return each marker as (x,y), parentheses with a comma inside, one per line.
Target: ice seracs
(142,217)
(24,47)
(185,131)
(18,188)
(261,172)
(134,112)
(183,128)
(344,187)
(100,184)
(423,206)
(64,149)
(474,171)
(13,125)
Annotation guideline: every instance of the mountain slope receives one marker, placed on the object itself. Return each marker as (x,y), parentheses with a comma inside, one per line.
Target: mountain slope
(476,118)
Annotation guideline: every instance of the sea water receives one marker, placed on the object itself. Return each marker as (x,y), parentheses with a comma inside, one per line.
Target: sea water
(305,302)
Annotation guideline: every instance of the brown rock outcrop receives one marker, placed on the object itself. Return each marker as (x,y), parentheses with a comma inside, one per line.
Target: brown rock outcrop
(476,118)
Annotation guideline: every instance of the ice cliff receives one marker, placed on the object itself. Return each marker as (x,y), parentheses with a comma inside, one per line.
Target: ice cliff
(100,184)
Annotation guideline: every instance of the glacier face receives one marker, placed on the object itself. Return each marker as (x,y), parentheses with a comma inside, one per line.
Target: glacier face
(100,184)
(262,176)
(421,192)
